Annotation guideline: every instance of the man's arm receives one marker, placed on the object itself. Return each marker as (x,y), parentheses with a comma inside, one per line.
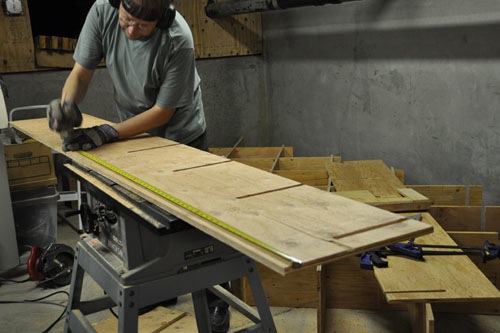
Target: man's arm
(143,122)
(63,114)
(77,84)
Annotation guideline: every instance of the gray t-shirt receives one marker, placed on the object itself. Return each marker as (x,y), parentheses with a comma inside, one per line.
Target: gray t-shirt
(156,70)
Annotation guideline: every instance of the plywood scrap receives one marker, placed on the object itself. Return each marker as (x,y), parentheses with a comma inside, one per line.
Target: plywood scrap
(444,278)
(374,183)
(372,175)
(154,321)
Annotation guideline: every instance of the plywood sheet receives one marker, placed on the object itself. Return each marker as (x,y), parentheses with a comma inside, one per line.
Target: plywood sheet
(438,278)
(157,320)
(277,221)
(372,182)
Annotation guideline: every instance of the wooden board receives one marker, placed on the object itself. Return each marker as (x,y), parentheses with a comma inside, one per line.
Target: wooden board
(372,182)
(457,195)
(296,226)
(458,218)
(252,152)
(438,279)
(311,171)
(157,320)
(467,218)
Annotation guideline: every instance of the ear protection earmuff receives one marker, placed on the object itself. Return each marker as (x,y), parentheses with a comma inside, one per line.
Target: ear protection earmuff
(165,20)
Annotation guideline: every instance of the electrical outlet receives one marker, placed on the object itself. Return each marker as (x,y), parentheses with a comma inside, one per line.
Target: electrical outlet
(12,7)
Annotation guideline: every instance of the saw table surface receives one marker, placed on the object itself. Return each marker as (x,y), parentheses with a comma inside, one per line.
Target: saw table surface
(278,222)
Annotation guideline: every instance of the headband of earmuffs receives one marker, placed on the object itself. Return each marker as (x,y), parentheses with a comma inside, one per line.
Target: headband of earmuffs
(165,17)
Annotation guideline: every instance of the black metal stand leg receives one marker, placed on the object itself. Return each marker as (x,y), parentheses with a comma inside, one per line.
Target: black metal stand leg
(202,314)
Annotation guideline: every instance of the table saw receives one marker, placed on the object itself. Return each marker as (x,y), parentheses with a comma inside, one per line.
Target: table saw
(253,215)
(141,255)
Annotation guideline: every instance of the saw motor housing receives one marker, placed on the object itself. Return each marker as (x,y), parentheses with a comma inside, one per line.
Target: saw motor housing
(52,264)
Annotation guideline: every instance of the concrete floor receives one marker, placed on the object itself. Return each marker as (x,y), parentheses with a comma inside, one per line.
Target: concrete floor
(17,315)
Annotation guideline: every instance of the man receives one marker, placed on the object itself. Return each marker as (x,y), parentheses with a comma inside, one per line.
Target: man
(149,53)
(150,58)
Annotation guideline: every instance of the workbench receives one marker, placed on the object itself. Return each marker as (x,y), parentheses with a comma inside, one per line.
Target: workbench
(278,222)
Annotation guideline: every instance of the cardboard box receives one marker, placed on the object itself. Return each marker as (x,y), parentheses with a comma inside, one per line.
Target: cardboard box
(29,165)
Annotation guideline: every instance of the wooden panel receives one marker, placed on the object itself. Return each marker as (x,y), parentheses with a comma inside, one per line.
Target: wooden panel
(54,51)
(306,170)
(278,222)
(265,164)
(306,163)
(154,321)
(457,218)
(439,278)
(308,177)
(252,152)
(16,42)
(227,36)
(492,218)
(56,43)
(475,195)
(372,182)
(294,290)
(373,176)
(451,195)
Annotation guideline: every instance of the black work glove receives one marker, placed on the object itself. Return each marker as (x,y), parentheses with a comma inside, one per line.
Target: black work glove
(63,117)
(89,138)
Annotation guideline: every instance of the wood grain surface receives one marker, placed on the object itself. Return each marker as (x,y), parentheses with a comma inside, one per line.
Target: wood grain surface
(299,224)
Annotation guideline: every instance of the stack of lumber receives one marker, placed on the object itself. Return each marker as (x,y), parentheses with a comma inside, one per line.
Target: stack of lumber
(370,182)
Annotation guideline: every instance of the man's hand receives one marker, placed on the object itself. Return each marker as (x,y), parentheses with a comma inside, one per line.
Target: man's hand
(89,138)
(63,117)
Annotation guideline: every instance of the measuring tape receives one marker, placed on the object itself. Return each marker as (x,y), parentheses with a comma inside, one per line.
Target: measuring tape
(295,262)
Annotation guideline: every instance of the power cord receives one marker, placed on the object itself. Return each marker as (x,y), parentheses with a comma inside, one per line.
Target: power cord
(37,300)
(14,281)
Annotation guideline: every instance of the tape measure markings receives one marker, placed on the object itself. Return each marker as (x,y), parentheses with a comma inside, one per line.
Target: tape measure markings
(295,262)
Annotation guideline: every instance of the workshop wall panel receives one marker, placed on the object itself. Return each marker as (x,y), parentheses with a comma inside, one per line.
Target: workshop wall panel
(16,41)
(52,46)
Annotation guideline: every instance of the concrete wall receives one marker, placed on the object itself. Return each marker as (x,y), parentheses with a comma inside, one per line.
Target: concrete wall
(414,83)
(234,96)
